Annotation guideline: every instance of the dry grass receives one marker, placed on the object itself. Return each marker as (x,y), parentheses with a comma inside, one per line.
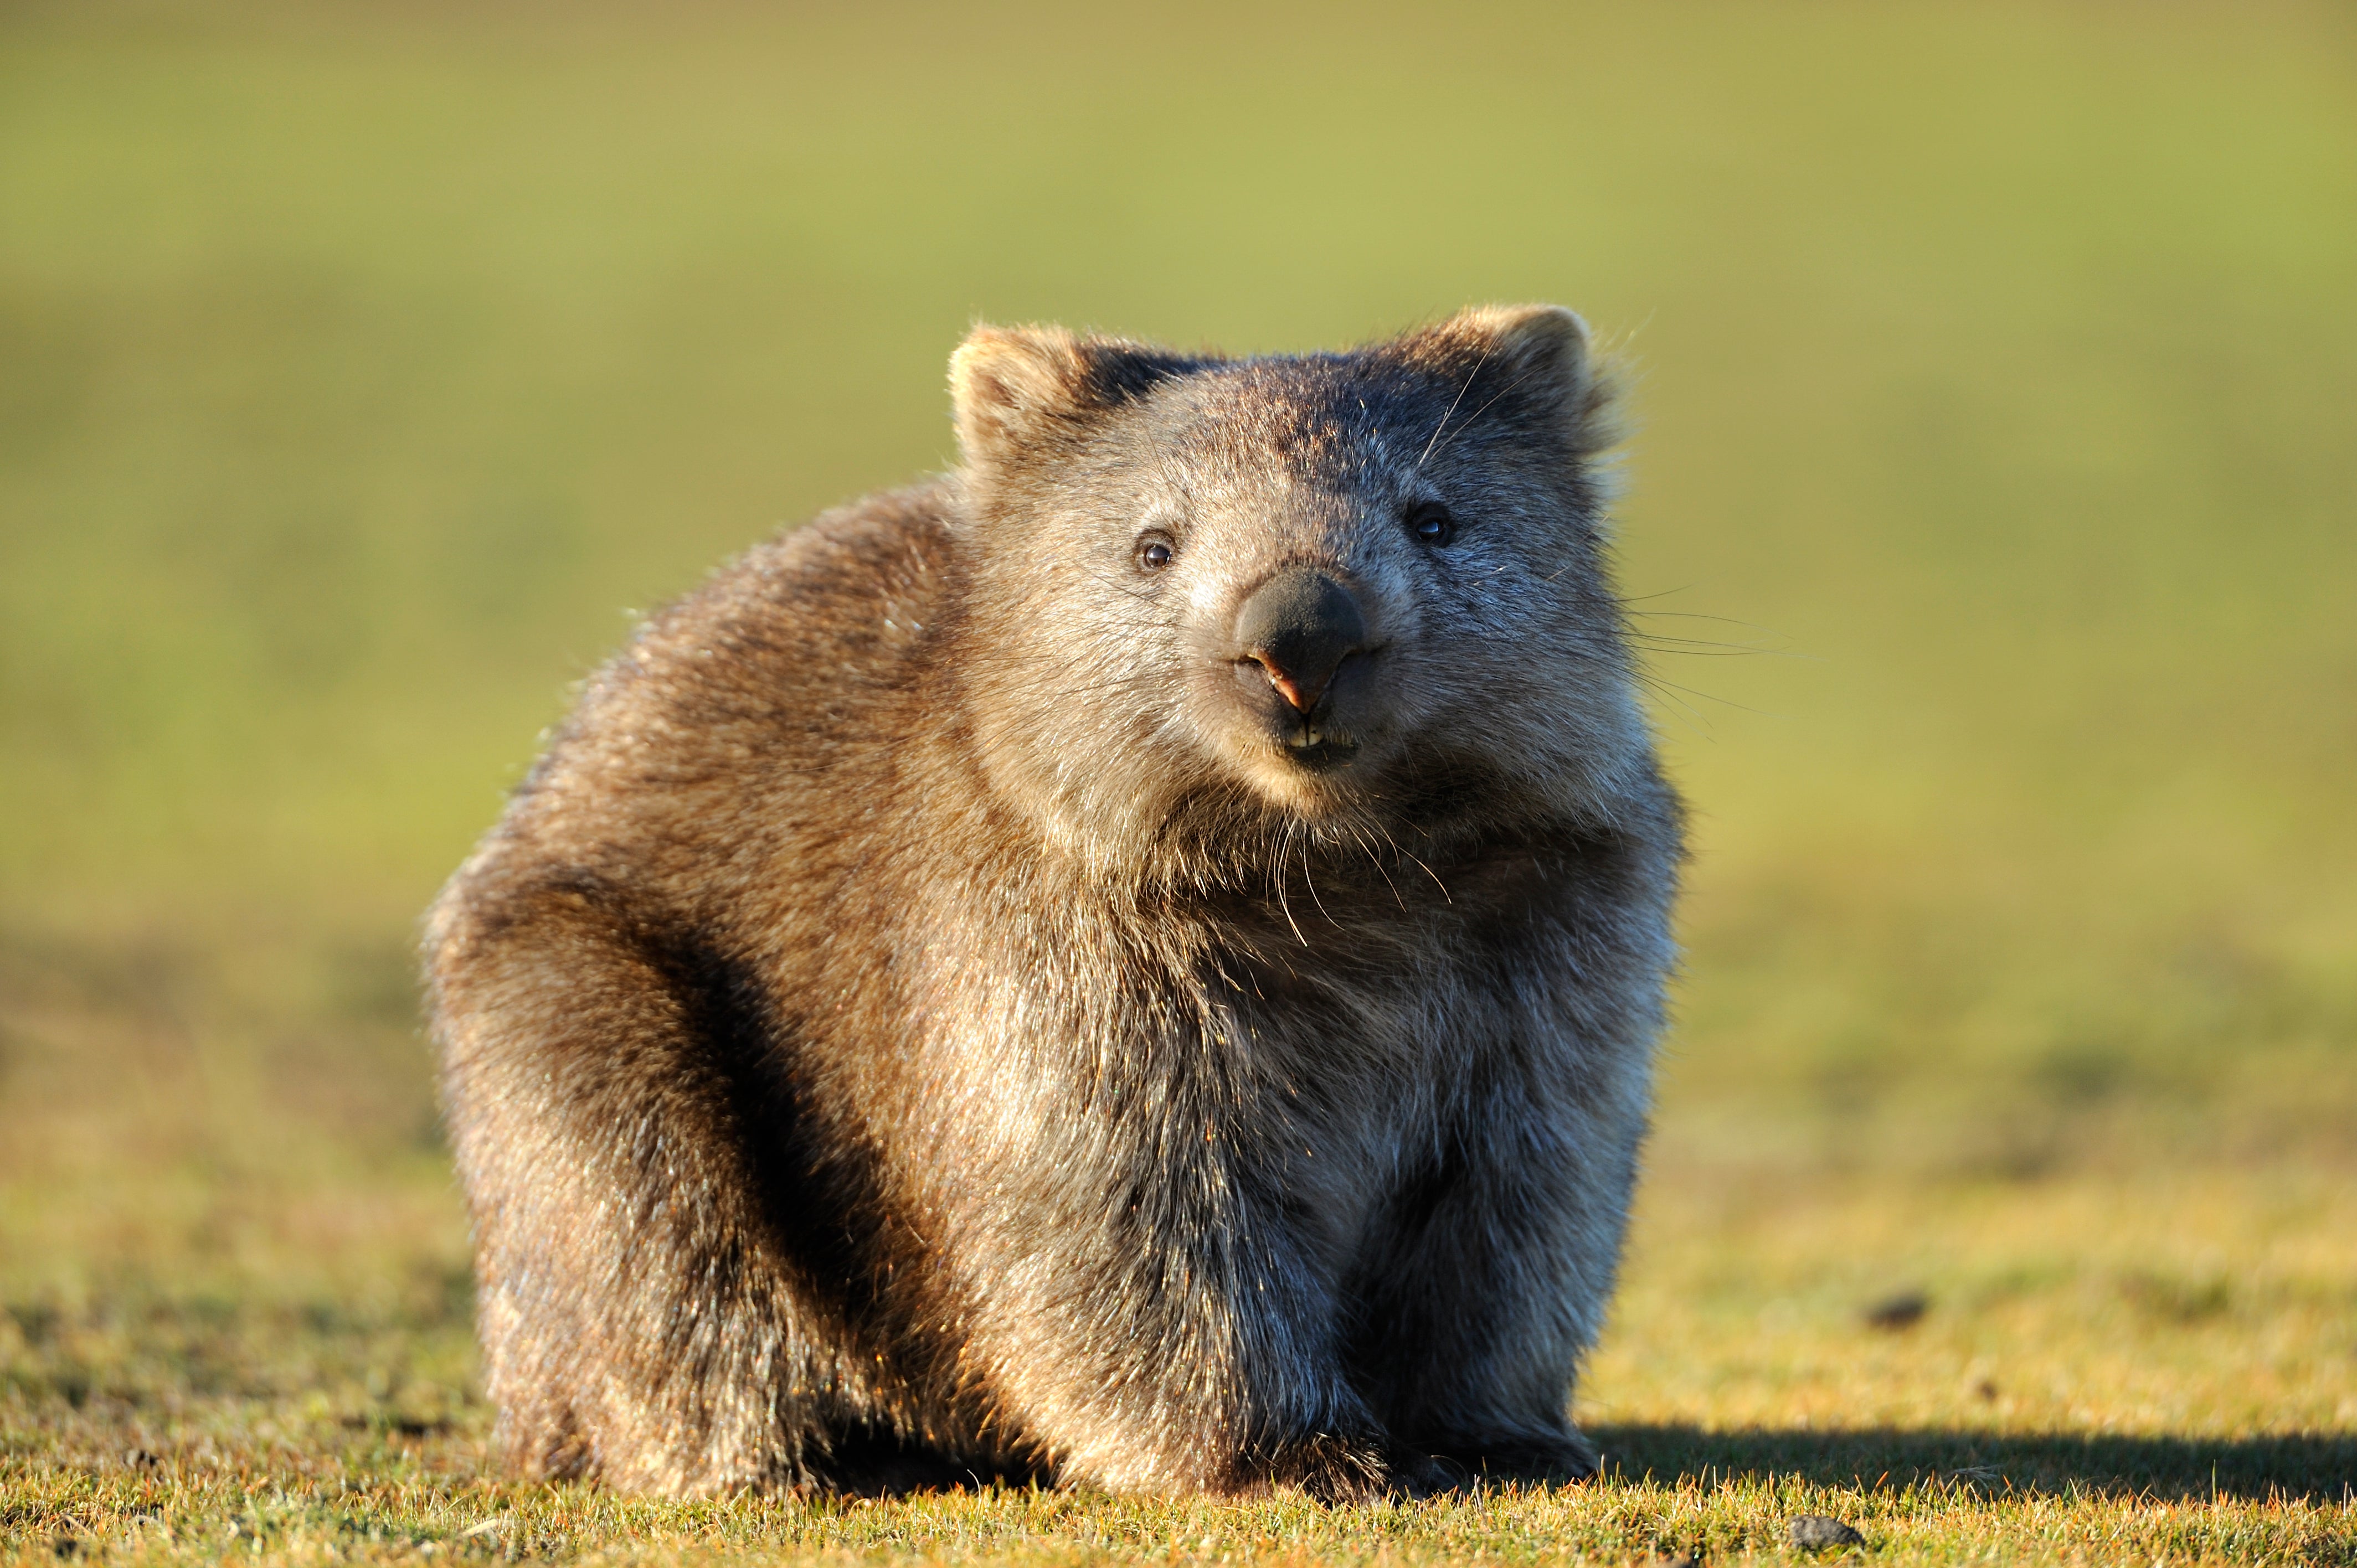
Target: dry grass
(2071,1393)
(240,1333)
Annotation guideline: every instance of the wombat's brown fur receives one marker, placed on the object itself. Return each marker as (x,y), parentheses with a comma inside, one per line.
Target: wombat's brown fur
(1134,962)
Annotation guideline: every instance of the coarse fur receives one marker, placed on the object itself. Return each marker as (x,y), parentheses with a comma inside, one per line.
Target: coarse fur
(940,1008)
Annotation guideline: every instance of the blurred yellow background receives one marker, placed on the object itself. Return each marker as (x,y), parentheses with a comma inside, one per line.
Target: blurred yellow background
(1992,510)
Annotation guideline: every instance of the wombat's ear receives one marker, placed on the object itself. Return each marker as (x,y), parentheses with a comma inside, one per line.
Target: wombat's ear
(1531,357)
(1021,391)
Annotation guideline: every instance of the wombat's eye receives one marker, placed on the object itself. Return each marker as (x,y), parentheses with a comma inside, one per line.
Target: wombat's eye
(1153,553)
(1430,523)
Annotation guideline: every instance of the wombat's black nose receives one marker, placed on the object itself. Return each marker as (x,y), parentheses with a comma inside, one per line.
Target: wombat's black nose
(1298,626)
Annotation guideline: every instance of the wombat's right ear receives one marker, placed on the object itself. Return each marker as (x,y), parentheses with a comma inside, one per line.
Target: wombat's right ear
(1020,391)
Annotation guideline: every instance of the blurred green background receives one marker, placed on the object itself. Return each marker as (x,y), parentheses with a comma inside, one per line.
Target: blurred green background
(363,368)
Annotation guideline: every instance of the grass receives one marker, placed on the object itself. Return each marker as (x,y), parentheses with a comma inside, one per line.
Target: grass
(2132,1400)
(361,367)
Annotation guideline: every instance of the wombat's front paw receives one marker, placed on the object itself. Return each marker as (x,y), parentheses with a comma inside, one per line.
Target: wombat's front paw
(1415,1474)
(1522,1460)
(1329,1467)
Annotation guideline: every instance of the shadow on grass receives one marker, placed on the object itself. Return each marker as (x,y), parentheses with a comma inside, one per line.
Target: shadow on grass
(2312,1467)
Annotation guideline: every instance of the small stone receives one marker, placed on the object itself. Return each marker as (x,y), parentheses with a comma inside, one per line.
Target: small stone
(1904,1310)
(1812,1531)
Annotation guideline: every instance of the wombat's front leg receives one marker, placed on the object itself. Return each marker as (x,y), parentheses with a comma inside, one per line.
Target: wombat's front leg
(1222,1418)
(1479,1315)
(1313,1428)
(1199,1353)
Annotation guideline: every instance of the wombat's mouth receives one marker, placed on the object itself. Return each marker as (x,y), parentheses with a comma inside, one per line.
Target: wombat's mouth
(1317,749)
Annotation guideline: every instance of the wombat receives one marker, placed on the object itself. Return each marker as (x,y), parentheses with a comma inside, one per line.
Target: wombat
(1133,964)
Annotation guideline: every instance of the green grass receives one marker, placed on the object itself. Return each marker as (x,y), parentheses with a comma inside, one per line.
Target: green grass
(362,368)
(2100,1373)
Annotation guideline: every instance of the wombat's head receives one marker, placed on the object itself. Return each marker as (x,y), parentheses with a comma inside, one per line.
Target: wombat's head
(1226,609)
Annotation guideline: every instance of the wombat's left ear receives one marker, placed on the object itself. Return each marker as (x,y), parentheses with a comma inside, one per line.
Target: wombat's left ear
(1531,356)
(1023,392)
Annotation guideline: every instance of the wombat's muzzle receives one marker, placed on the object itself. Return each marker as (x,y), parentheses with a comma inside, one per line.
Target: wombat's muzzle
(1295,630)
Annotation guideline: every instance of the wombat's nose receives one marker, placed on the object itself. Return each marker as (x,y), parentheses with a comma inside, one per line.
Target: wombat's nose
(1298,626)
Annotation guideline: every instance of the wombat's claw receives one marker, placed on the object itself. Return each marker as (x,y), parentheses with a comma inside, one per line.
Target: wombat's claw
(1417,1475)
(1526,1464)
(1330,1469)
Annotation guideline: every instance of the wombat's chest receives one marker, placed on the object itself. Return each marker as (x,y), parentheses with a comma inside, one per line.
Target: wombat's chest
(1240,1093)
